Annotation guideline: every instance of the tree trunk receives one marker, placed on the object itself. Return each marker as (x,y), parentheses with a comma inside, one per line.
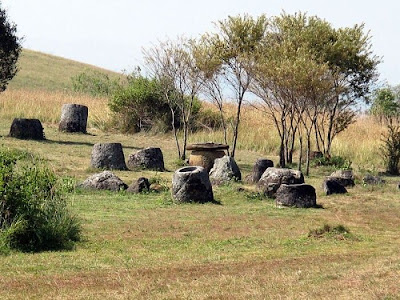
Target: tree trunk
(236,129)
(308,152)
(300,151)
(175,132)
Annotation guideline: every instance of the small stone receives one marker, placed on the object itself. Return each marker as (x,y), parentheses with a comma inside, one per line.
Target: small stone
(139,186)
(272,179)
(372,180)
(225,170)
(104,181)
(344,177)
(333,186)
(297,195)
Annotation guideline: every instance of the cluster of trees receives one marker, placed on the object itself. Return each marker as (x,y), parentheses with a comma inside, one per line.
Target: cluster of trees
(306,76)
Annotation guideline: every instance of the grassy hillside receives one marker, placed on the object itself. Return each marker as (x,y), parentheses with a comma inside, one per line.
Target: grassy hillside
(48,72)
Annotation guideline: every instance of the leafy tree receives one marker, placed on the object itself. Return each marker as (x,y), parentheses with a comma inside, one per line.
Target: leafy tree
(10,48)
(232,49)
(172,63)
(386,107)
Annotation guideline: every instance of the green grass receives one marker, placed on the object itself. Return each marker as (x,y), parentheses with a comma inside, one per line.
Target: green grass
(40,71)
(145,247)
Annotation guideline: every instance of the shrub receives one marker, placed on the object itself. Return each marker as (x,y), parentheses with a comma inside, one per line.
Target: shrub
(391,149)
(95,83)
(337,162)
(139,105)
(33,212)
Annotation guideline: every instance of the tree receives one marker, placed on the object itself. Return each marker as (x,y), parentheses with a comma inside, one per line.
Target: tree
(309,76)
(174,66)
(386,107)
(234,45)
(10,48)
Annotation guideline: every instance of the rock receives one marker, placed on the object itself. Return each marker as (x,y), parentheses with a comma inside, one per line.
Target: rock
(332,186)
(149,158)
(259,168)
(224,170)
(191,184)
(105,180)
(272,178)
(298,195)
(30,129)
(373,180)
(108,156)
(73,118)
(139,186)
(344,177)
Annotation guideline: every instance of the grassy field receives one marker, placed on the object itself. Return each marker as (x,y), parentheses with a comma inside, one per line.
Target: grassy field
(146,247)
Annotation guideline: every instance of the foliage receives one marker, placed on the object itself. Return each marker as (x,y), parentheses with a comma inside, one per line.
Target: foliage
(139,104)
(309,76)
(10,48)
(337,162)
(391,149)
(95,83)
(386,105)
(33,213)
(173,64)
(226,60)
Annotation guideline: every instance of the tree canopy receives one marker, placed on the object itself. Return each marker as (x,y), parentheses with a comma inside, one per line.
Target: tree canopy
(10,49)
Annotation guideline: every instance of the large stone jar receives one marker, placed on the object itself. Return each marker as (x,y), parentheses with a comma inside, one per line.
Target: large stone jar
(31,129)
(108,156)
(191,184)
(73,118)
(204,154)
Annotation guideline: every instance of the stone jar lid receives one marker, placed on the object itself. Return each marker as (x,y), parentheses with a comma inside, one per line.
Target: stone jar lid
(207,147)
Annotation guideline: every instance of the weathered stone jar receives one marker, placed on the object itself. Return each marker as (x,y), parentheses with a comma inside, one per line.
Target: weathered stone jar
(108,156)
(191,184)
(204,154)
(30,129)
(73,118)
(150,158)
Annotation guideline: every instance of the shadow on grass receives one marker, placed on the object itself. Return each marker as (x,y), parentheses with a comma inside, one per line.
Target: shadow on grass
(83,144)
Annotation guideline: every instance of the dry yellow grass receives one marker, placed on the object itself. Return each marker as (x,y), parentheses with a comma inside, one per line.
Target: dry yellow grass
(46,106)
(360,142)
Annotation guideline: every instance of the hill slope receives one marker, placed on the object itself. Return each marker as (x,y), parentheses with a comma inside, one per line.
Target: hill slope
(40,71)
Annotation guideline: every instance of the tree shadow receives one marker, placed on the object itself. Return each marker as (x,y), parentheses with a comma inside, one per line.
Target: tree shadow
(83,144)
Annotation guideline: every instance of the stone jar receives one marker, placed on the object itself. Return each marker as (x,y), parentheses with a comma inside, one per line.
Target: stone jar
(73,118)
(191,184)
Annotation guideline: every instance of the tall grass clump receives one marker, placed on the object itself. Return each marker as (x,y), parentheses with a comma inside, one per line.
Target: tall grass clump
(33,212)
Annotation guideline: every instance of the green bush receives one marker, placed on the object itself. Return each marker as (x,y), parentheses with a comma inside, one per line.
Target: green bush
(391,149)
(95,83)
(33,212)
(337,162)
(139,105)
